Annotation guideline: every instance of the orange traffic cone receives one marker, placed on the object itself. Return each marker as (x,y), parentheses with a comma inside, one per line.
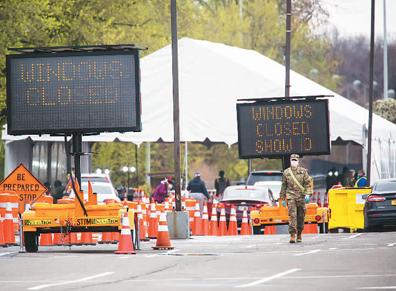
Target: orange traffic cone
(205,221)
(270,229)
(232,225)
(106,238)
(9,236)
(2,240)
(197,225)
(213,227)
(58,239)
(46,239)
(125,245)
(142,226)
(163,241)
(310,228)
(115,237)
(245,227)
(86,239)
(71,239)
(222,224)
(153,222)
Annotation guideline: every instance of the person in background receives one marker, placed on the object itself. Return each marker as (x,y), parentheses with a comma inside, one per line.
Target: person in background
(361,180)
(332,178)
(198,190)
(161,191)
(220,184)
(345,177)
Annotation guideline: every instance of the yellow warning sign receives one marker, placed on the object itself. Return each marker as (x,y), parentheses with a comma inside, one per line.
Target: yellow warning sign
(23,183)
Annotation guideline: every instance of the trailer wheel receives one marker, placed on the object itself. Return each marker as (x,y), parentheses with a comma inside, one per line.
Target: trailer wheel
(257,229)
(31,241)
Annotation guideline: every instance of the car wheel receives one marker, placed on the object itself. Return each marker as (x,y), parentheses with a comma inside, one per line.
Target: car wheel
(31,241)
(257,229)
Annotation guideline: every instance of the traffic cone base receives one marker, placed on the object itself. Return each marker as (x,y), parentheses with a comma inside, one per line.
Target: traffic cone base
(163,241)
(125,245)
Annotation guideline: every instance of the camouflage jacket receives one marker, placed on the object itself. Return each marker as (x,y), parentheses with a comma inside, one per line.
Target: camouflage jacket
(290,189)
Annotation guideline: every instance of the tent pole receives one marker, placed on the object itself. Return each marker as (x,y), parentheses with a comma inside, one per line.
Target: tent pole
(186,164)
(371,78)
(148,163)
(176,113)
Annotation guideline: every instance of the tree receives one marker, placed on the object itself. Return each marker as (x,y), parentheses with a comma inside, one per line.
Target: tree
(386,109)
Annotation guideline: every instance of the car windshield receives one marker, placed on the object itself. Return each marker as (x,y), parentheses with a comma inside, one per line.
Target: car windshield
(263,177)
(245,194)
(94,179)
(99,189)
(385,186)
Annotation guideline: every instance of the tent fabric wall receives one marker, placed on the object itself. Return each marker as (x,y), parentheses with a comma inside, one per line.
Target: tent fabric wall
(212,77)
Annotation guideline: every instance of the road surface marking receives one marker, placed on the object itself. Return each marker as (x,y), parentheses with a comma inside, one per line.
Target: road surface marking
(391,244)
(339,276)
(250,246)
(151,256)
(353,236)
(70,282)
(4,254)
(332,249)
(125,257)
(307,253)
(378,288)
(267,279)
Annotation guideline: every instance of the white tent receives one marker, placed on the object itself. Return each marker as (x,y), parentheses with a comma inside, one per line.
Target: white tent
(212,76)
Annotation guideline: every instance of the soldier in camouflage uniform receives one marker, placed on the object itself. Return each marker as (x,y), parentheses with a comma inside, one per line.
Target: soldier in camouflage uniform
(296,189)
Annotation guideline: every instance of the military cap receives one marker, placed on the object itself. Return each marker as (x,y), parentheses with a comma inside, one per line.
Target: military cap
(294,156)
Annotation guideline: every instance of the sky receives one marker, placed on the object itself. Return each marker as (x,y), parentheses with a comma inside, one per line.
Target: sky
(352,17)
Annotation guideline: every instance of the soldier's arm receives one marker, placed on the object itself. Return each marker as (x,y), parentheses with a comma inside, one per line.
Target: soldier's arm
(308,183)
(283,188)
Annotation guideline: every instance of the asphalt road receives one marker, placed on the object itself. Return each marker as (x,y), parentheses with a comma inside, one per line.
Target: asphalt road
(363,261)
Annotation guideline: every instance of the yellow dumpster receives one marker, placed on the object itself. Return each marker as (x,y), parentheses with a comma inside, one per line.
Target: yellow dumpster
(346,208)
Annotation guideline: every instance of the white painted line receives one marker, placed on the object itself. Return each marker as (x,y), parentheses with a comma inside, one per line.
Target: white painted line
(391,244)
(307,253)
(171,252)
(332,249)
(151,256)
(267,279)
(354,236)
(339,276)
(126,257)
(250,246)
(70,282)
(4,254)
(378,288)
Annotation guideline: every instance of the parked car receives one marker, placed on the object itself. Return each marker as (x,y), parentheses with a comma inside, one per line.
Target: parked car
(245,197)
(272,180)
(380,205)
(104,191)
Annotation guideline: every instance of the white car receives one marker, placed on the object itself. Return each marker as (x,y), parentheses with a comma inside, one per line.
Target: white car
(104,190)
(271,180)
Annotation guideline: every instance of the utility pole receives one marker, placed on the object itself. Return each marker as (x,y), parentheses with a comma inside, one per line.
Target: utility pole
(371,79)
(385,55)
(285,160)
(176,111)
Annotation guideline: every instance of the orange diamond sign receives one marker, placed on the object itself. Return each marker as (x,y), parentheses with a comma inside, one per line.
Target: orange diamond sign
(23,183)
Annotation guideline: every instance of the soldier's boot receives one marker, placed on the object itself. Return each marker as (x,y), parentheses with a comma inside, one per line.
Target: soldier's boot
(292,238)
(299,237)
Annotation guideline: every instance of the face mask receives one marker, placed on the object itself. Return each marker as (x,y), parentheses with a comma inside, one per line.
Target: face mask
(294,164)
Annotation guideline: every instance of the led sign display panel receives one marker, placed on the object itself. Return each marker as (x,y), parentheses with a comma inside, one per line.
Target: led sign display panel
(84,92)
(270,129)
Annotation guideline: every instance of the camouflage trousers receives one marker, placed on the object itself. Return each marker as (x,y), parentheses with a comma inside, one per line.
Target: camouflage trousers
(296,209)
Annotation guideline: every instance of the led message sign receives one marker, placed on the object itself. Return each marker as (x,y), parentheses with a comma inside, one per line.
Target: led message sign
(84,92)
(283,127)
